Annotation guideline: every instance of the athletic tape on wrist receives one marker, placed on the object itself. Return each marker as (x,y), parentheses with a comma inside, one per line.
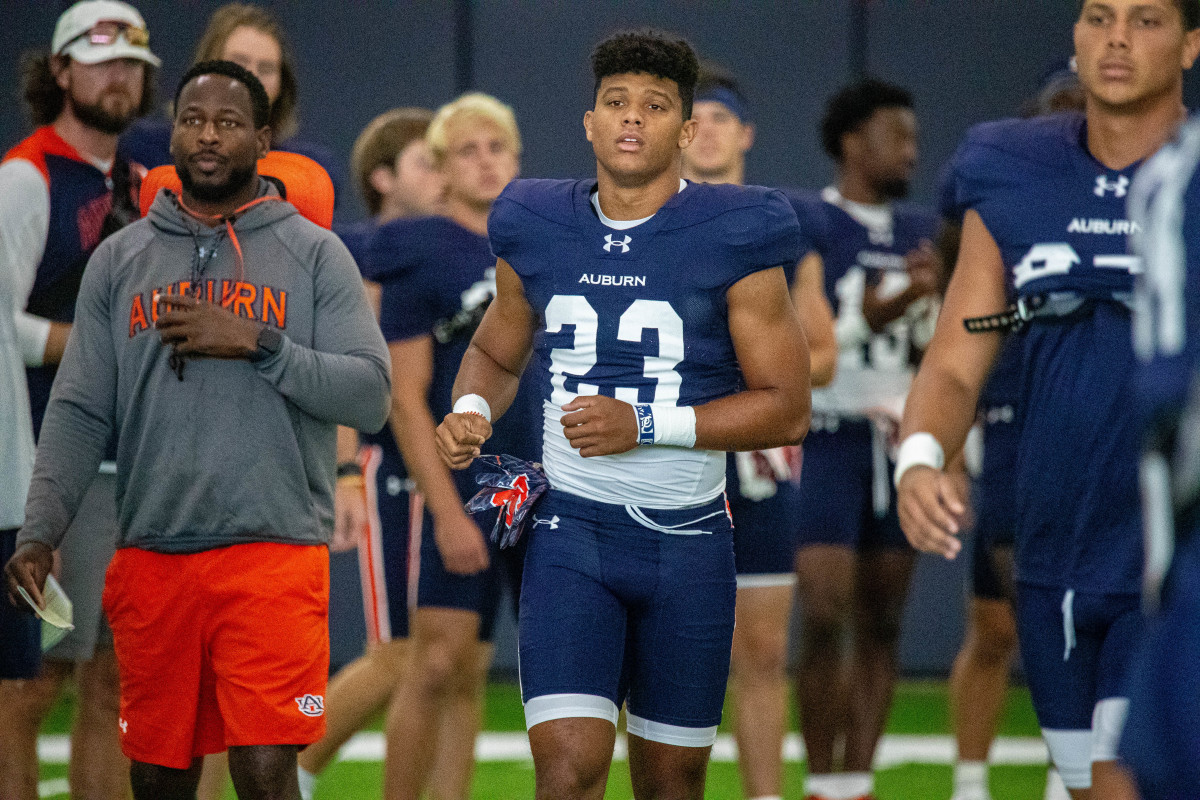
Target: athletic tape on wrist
(666,425)
(473,404)
(918,450)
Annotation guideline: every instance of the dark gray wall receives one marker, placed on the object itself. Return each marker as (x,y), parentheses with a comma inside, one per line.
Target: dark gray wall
(965,62)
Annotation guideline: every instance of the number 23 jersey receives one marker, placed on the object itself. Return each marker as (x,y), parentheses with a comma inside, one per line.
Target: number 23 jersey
(1058,216)
(637,314)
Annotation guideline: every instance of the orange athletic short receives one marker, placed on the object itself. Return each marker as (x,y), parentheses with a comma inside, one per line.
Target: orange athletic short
(219,648)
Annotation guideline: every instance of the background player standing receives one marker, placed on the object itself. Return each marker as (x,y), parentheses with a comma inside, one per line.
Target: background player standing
(883,277)
(1046,222)
(759,484)
(438,276)
(394,171)
(61,190)
(664,334)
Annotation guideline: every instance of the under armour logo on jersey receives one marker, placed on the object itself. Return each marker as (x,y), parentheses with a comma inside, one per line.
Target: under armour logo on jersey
(552,521)
(621,243)
(311,705)
(123,724)
(1119,187)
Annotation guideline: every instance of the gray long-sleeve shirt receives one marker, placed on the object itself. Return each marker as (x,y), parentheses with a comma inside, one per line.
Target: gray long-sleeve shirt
(235,451)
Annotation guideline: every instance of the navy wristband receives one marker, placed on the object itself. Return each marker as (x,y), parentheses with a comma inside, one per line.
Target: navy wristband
(645,422)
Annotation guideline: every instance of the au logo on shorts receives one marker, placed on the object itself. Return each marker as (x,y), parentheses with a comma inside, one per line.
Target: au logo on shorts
(311,705)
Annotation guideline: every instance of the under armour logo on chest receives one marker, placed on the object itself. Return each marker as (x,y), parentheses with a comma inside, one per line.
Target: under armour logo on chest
(621,243)
(1119,187)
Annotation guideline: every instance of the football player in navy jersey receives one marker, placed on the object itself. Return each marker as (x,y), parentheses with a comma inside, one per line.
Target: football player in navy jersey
(979,678)
(438,276)
(394,171)
(658,317)
(760,484)
(1045,225)
(883,277)
(1161,739)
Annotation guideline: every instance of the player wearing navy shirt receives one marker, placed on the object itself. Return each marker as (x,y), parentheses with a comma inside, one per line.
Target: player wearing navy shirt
(394,172)
(438,276)
(1046,224)
(760,483)
(664,335)
(1161,739)
(882,278)
(979,677)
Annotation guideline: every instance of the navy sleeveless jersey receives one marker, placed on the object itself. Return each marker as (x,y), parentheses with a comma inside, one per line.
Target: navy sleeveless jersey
(1058,217)
(438,278)
(640,315)
(874,369)
(80,199)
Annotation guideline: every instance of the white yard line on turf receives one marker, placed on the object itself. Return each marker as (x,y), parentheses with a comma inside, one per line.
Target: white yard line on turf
(893,750)
(55,787)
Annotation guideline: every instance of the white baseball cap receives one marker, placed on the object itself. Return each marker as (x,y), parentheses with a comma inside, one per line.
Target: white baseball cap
(71,33)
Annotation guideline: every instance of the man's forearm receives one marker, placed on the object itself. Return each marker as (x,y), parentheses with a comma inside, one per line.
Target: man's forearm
(481,374)
(755,419)
(350,389)
(413,426)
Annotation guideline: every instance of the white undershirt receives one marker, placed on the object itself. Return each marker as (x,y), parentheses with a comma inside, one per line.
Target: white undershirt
(624,224)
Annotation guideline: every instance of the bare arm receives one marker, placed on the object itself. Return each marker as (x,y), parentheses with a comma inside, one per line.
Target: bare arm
(945,392)
(925,275)
(816,317)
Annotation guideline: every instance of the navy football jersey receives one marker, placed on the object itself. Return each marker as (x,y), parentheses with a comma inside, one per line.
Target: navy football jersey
(865,246)
(357,238)
(637,314)
(1058,217)
(438,278)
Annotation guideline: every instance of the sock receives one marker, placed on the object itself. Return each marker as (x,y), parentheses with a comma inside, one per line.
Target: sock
(840,785)
(971,780)
(308,783)
(1055,790)
(857,784)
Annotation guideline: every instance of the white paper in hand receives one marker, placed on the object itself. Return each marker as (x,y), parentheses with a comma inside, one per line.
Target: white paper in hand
(56,616)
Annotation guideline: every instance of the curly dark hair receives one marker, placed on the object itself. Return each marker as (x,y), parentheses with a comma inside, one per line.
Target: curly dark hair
(849,109)
(651,53)
(46,100)
(1190,9)
(259,104)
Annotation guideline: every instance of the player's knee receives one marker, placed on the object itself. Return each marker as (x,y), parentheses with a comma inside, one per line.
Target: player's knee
(760,654)
(824,619)
(441,666)
(994,643)
(26,703)
(567,778)
(263,772)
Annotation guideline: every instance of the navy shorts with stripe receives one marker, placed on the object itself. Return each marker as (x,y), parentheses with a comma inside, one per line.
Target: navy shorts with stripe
(384,564)
(614,609)
(1074,659)
(836,503)
(765,532)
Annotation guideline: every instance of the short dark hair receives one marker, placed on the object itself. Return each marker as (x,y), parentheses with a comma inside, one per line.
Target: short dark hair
(1190,9)
(380,143)
(259,104)
(46,100)
(651,53)
(849,109)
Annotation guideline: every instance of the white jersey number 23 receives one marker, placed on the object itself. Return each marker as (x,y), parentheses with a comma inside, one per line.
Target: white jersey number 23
(577,361)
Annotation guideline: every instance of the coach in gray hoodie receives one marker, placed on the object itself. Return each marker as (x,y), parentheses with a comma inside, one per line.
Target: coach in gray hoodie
(222,339)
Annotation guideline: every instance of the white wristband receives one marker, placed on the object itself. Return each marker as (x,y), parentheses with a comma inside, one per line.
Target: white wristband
(918,450)
(473,404)
(675,425)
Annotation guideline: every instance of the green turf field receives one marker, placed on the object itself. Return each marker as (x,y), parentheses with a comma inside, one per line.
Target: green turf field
(920,710)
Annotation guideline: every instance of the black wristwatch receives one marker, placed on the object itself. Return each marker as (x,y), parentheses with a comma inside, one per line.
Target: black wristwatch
(270,340)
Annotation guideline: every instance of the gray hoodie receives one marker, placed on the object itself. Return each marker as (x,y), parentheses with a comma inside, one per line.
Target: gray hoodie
(235,451)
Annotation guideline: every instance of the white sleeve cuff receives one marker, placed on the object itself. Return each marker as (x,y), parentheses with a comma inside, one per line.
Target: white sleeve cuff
(32,333)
